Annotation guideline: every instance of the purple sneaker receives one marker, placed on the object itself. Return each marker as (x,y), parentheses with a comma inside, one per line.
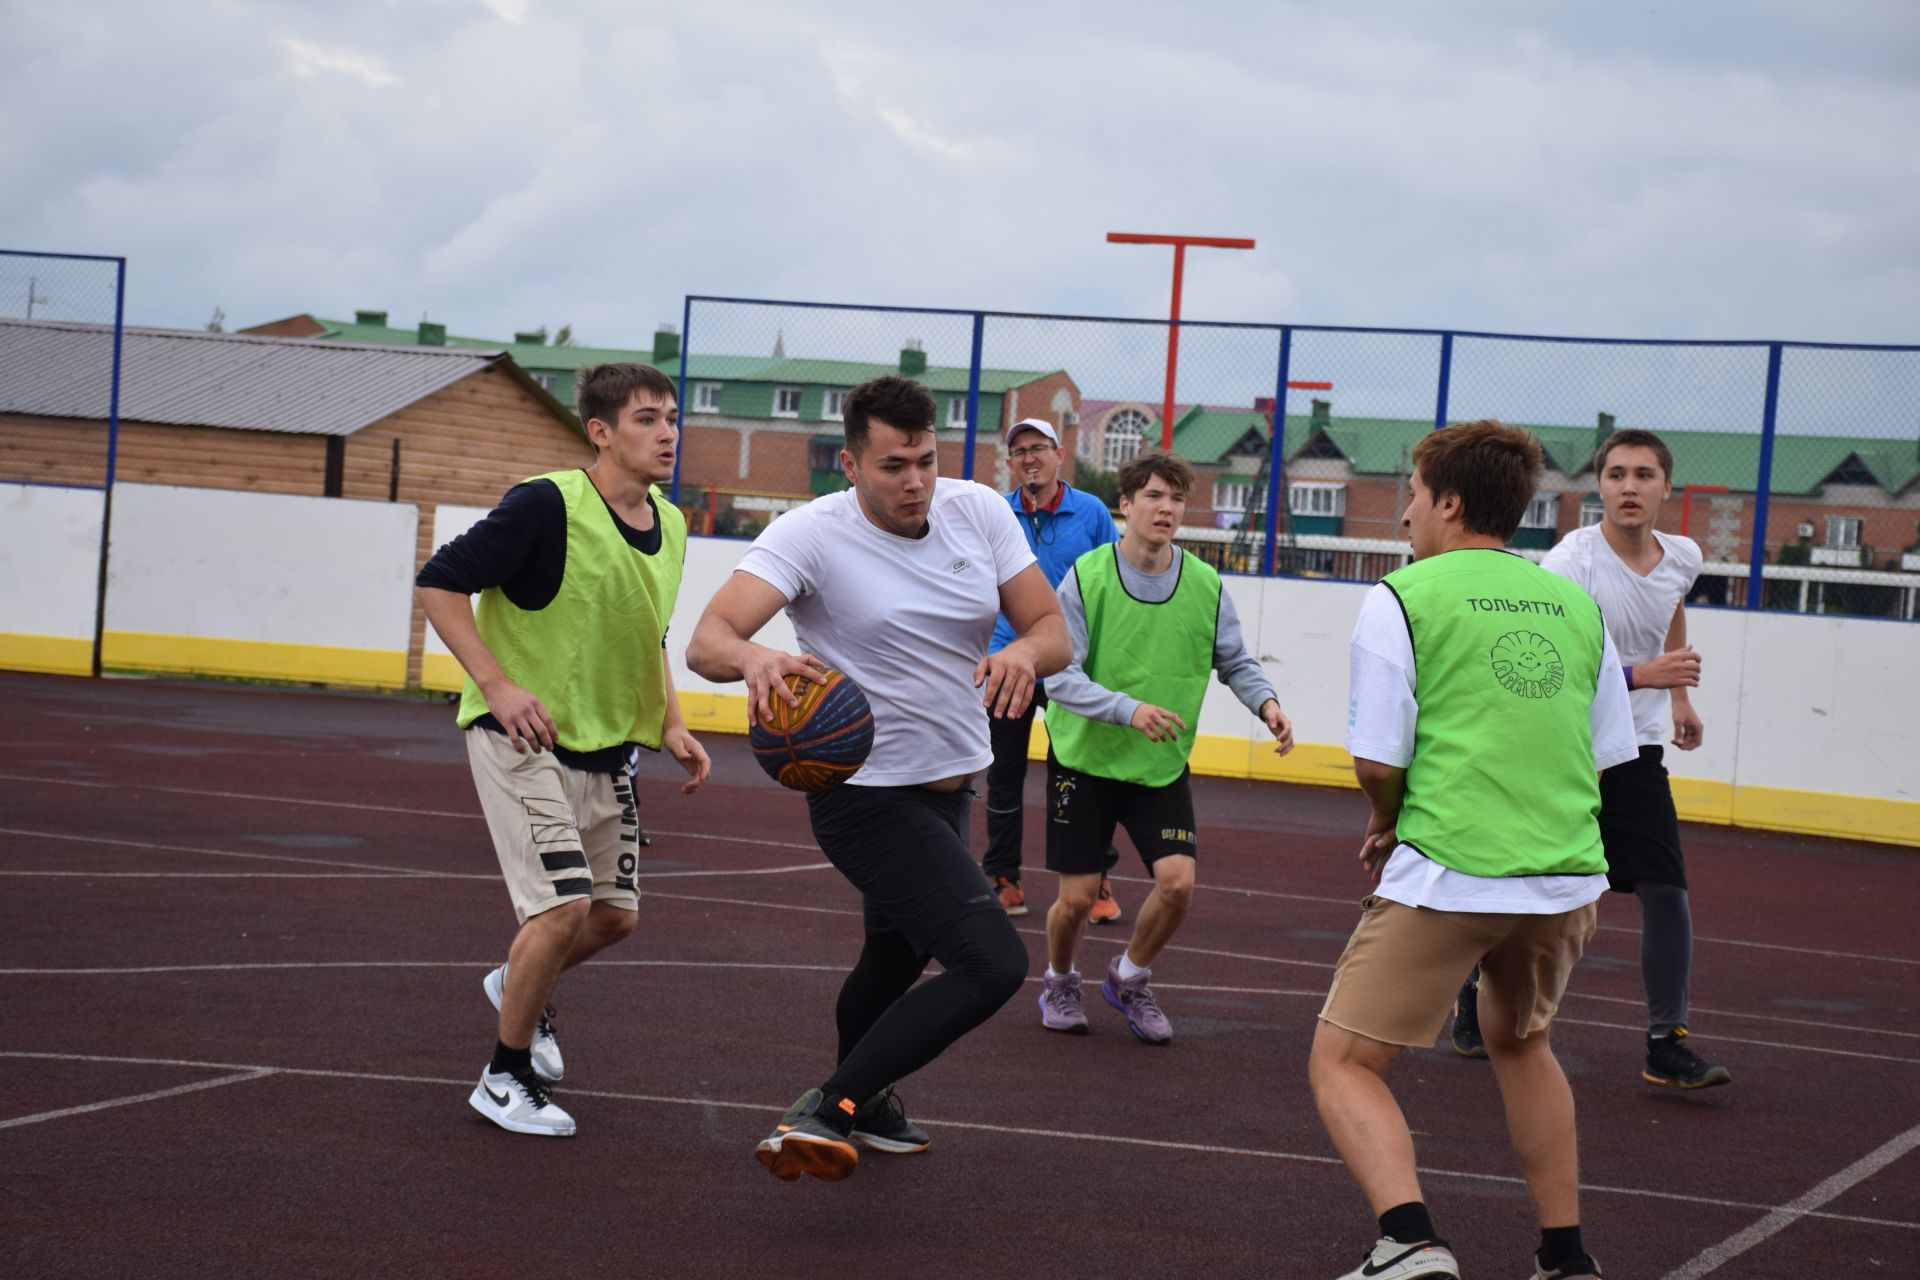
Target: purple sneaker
(1060,1004)
(1134,998)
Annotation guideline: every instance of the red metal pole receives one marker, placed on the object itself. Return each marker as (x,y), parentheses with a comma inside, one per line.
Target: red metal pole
(1179,244)
(1173,348)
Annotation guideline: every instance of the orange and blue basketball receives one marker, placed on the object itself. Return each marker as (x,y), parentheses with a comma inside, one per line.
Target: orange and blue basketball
(819,744)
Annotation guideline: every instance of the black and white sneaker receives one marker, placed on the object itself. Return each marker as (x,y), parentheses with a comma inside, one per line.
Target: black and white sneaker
(520,1105)
(1391,1260)
(881,1123)
(547,1063)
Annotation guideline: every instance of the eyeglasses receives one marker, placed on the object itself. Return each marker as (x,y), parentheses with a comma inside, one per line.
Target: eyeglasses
(1030,451)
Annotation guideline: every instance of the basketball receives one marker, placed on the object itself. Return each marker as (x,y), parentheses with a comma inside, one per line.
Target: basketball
(819,744)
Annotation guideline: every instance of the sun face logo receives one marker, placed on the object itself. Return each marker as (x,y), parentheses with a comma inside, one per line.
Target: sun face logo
(1527,665)
(1062,796)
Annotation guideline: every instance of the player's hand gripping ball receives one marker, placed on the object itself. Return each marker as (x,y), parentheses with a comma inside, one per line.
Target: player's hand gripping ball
(819,744)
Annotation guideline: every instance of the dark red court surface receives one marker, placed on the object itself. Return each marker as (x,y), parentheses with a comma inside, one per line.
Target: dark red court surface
(242,934)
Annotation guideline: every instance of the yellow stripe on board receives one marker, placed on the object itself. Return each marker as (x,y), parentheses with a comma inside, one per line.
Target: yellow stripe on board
(1317,764)
(441,671)
(255,659)
(55,655)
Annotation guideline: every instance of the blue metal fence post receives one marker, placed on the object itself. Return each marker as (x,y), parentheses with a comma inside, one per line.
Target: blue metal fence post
(973,393)
(686,318)
(113,452)
(1446,381)
(1277,454)
(1763,483)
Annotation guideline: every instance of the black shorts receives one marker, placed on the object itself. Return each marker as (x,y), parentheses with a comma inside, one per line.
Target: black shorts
(905,850)
(1638,825)
(1084,808)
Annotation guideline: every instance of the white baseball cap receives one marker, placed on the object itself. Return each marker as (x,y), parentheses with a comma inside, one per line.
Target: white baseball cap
(1041,425)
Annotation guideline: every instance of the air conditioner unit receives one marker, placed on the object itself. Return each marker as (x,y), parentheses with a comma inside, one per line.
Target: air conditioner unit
(1805,530)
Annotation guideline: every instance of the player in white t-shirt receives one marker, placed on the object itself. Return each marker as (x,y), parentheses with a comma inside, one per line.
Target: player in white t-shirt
(1640,577)
(896,582)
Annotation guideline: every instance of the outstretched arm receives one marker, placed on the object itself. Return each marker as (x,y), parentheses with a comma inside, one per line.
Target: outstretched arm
(722,647)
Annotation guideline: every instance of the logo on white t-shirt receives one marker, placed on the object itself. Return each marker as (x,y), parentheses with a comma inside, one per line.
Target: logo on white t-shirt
(959,566)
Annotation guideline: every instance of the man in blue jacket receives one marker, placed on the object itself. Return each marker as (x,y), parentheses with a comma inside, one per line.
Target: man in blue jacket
(1061,523)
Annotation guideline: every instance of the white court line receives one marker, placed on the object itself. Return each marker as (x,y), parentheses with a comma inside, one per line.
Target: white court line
(296,965)
(1722,1038)
(1759,1017)
(993,1127)
(250,1073)
(1716,1256)
(487,877)
(809,847)
(361,806)
(223,875)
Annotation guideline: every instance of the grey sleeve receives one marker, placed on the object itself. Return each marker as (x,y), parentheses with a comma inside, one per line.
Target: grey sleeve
(1239,670)
(1072,688)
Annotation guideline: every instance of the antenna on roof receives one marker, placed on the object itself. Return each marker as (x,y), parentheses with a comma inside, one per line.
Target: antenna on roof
(780,344)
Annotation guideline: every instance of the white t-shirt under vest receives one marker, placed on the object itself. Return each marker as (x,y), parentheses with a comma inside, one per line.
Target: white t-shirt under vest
(908,618)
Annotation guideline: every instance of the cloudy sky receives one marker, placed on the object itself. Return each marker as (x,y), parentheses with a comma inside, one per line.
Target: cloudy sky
(1697,169)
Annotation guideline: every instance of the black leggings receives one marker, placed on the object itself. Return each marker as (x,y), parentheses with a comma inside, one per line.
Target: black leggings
(924,898)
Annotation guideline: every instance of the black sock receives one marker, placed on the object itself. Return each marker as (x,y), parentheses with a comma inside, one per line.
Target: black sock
(1408,1223)
(514,1062)
(1560,1249)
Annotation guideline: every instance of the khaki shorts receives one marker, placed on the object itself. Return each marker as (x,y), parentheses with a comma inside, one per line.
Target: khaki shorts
(561,833)
(1398,977)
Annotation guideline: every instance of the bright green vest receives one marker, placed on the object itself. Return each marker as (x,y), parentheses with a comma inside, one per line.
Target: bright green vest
(593,654)
(1158,653)
(1506,660)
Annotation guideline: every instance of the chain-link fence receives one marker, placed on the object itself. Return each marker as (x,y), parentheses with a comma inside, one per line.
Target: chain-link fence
(61,346)
(1796,466)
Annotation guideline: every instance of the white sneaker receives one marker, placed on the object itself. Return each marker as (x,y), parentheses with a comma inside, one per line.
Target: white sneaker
(519,1105)
(1391,1260)
(545,1049)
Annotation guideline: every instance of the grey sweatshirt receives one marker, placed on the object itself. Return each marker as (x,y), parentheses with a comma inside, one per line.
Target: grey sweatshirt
(1074,690)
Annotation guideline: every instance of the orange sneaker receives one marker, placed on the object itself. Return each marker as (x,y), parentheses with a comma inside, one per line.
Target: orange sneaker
(1105,909)
(1011,896)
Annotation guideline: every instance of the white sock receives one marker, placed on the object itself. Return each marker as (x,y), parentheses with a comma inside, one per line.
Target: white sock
(1129,970)
(1056,974)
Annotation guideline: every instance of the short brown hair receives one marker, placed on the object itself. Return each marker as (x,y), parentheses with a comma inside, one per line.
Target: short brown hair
(602,390)
(901,403)
(1635,436)
(1168,466)
(1492,467)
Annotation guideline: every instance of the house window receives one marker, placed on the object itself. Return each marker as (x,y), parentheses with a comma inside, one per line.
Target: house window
(706,397)
(1843,533)
(1591,512)
(823,453)
(786,402)
(957,411)
(1311,499)
(1124,432)
(547,381)
(1543,512)
(1234,495)
(833,406)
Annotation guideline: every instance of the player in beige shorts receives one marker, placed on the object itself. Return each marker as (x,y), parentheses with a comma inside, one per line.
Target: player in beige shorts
(567,676)
(1479,759)
(1391,983)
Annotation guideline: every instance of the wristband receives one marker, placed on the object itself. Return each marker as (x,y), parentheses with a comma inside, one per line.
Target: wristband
(1629,671)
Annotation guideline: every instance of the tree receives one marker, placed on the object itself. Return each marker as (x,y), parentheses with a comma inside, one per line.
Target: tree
(564,338)
(218,322)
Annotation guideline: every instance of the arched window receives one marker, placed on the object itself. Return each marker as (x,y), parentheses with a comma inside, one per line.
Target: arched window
(1124,432)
